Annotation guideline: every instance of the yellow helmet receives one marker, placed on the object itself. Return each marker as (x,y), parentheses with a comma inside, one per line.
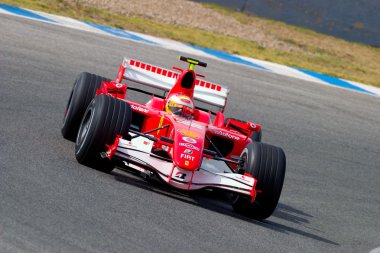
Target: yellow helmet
(180,105)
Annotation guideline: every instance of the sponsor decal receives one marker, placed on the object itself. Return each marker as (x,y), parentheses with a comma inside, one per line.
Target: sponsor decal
(160,124)
(244,178)
(185,100)
(119,85)
(187,163)
(228,135)
(180,175)
(189,123)
(187,157)
(127,144)
(253,126)
(189,139)
(188,151)
(146,172)
(189,133)
(140,109)
(188,145)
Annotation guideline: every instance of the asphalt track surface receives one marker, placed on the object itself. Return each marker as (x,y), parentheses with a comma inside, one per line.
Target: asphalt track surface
(50,203)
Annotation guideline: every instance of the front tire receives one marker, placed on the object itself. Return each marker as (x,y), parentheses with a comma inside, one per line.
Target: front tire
(83,92)
(267,164)
(105,118)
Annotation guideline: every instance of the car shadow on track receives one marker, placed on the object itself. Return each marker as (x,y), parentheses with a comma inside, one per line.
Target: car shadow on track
(217,202)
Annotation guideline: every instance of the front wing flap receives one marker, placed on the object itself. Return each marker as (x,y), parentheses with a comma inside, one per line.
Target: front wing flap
(212,174)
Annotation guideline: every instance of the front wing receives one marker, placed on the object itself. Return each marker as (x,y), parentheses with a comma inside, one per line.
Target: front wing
(212,174)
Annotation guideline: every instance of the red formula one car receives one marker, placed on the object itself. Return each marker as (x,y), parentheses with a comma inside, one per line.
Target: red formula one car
(185,146)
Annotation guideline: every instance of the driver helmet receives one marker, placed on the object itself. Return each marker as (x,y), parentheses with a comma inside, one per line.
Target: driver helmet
(180,105)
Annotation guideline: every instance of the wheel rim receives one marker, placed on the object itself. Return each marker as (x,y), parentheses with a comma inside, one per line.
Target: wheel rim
(84,127)
(244,157)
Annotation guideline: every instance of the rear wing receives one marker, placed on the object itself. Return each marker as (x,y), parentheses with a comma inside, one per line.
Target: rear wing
(164,79)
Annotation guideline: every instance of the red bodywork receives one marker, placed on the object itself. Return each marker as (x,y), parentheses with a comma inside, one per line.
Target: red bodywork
(190,136)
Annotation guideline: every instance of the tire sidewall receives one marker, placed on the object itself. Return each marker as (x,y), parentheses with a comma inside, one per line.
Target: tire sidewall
(72,102)
(83,139)
(105,118)
(269,182)
(81,95)
(249,157)
(85,149)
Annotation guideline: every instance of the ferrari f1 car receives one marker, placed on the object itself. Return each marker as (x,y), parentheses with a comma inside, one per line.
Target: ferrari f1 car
(168,137)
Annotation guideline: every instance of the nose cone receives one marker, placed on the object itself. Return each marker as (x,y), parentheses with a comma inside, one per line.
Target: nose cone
(188,148)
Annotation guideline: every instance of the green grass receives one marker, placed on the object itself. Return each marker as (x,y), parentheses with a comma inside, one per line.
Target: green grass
(317,52)
(314,51)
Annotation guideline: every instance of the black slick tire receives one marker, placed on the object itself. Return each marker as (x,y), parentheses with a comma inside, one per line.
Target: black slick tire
(105,118)
(267,164)
(83,92)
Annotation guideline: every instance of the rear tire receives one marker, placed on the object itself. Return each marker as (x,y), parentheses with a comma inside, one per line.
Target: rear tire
(83,92)
(105,118)
(267,164)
